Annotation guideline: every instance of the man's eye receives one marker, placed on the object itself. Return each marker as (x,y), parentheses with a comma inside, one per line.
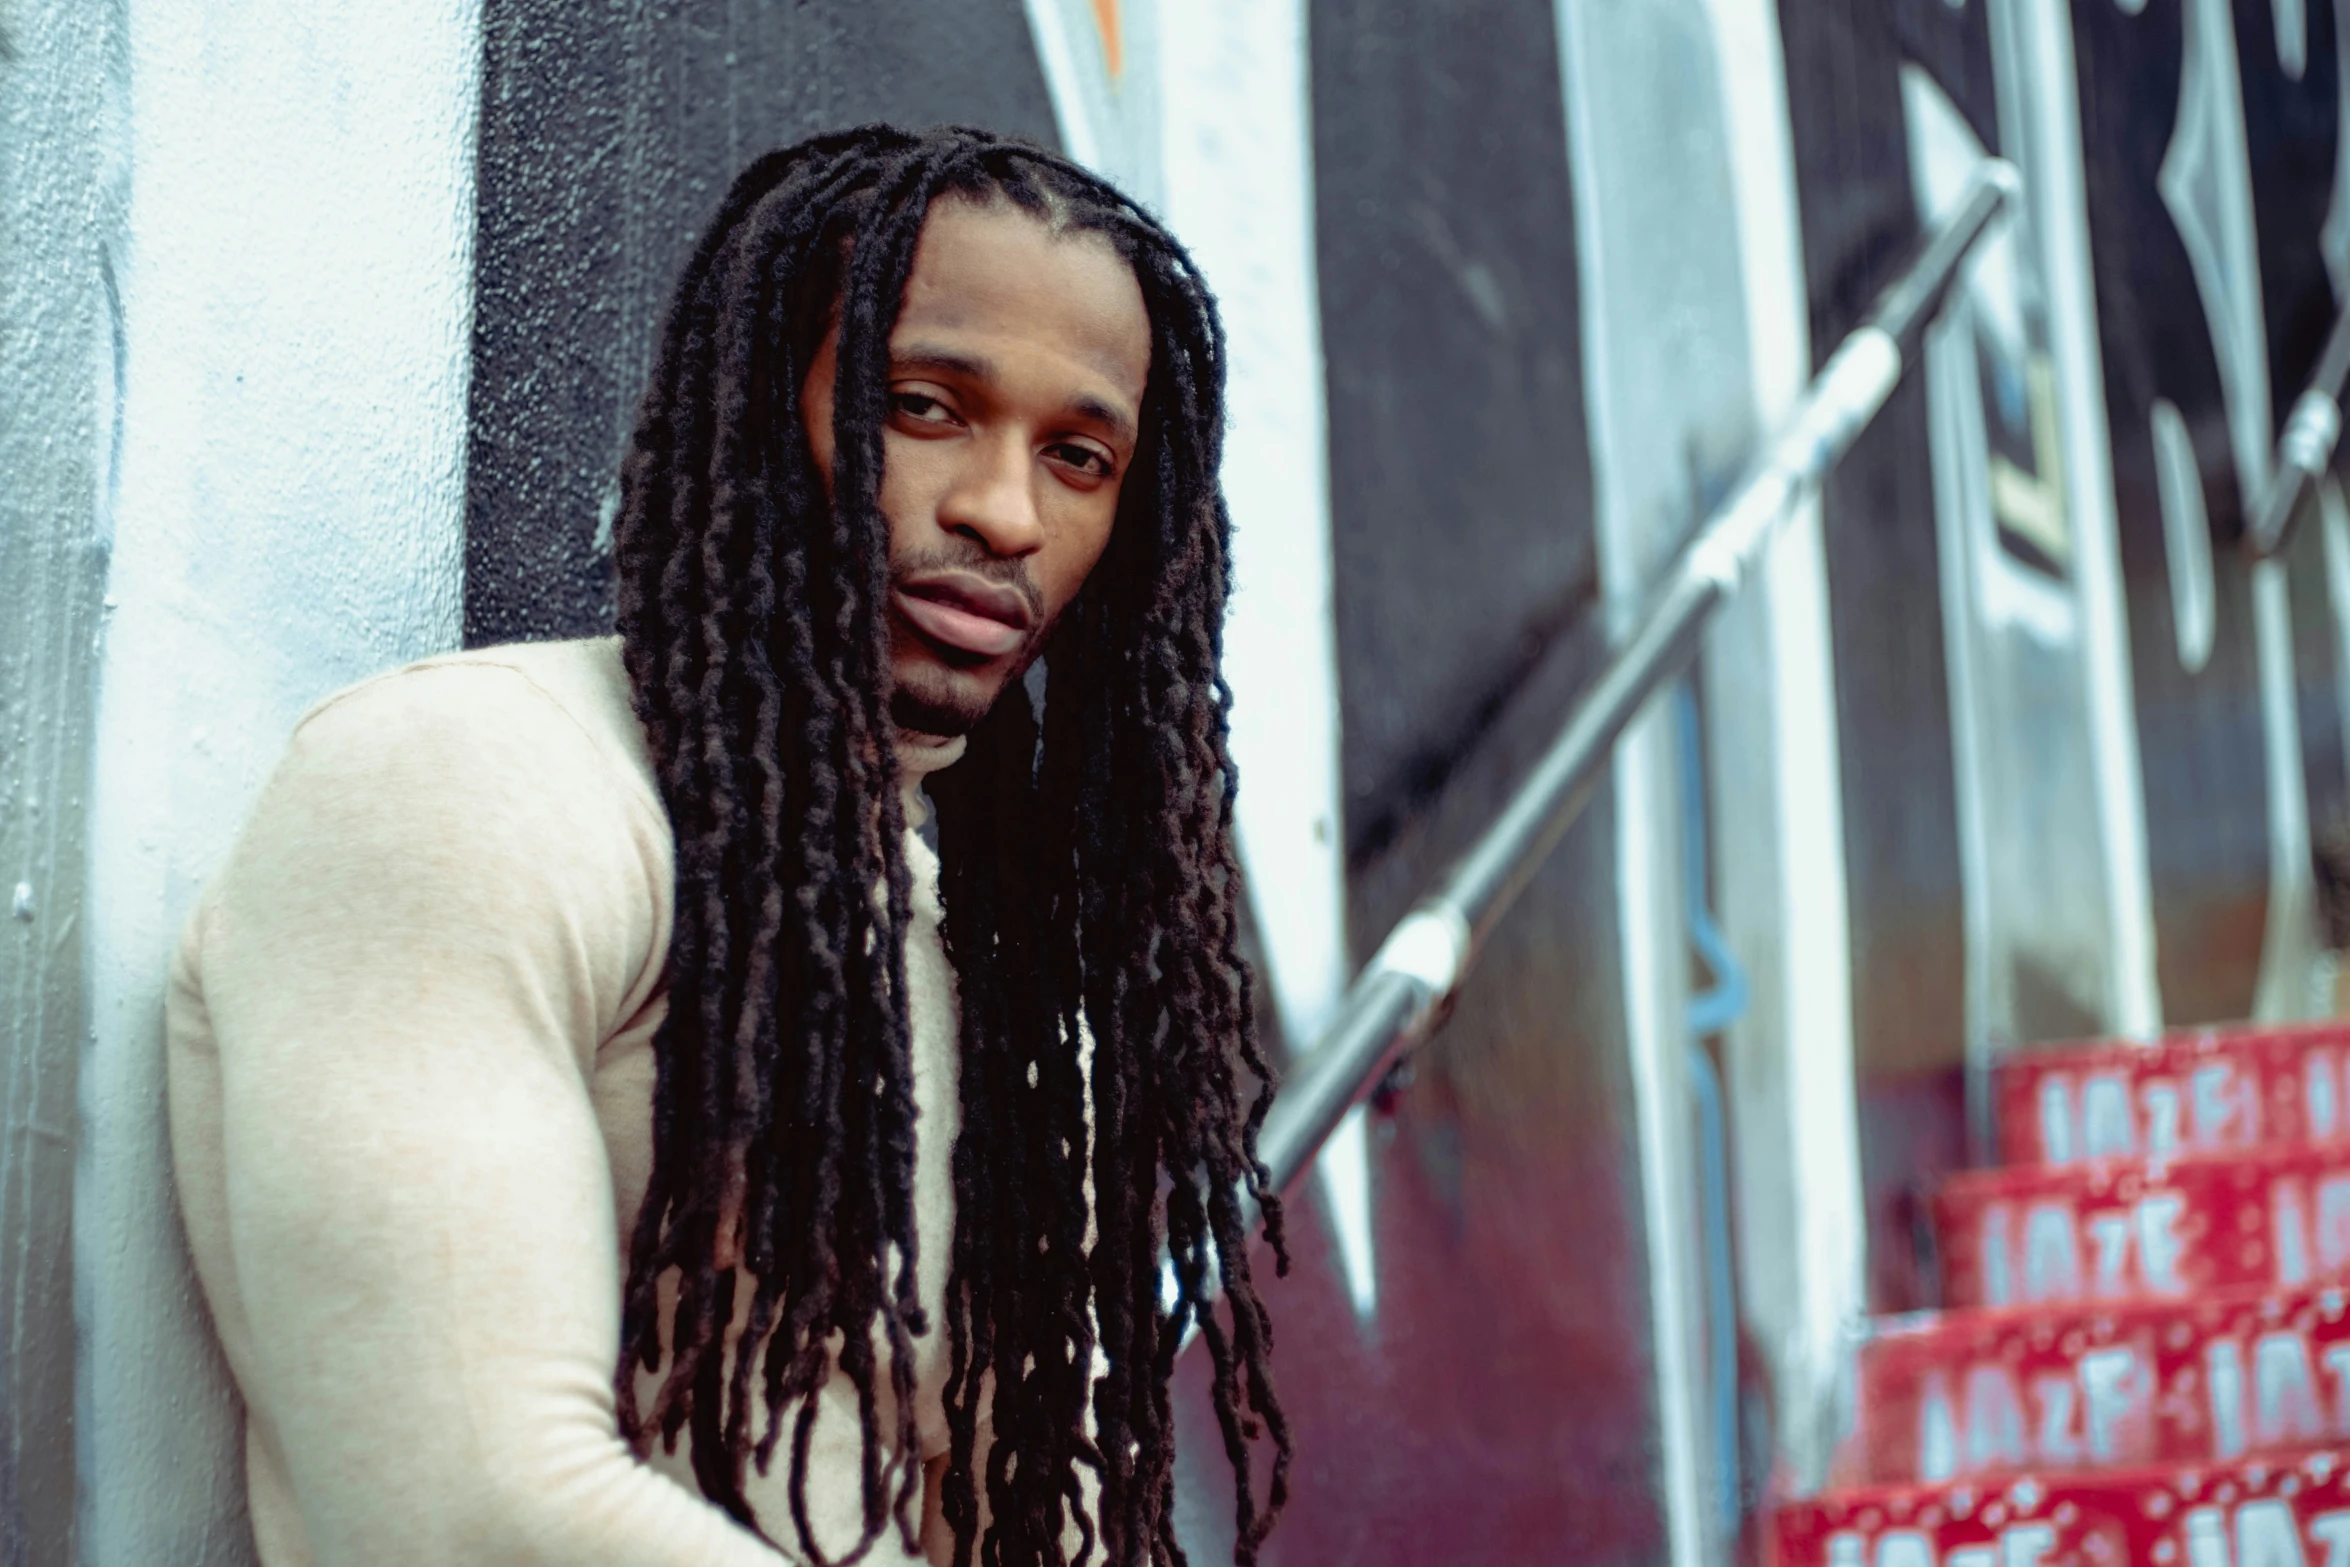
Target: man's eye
(1083,457)
(920,406)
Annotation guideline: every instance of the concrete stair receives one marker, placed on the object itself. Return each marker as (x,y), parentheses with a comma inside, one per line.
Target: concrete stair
(2144,1351)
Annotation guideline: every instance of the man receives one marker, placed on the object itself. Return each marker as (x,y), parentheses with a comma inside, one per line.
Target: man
(591,1005)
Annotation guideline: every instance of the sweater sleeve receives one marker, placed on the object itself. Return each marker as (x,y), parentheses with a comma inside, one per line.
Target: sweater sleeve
(446,898)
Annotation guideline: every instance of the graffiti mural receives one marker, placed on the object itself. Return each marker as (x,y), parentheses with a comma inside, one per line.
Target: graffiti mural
(2187,396)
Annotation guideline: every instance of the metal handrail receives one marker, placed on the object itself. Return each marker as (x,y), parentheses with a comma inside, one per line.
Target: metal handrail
(2305,447)
(1406,989)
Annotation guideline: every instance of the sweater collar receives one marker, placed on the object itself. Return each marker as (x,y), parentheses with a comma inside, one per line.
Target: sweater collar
(917,760)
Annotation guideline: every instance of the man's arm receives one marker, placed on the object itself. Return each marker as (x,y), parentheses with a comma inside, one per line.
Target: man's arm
(442,901)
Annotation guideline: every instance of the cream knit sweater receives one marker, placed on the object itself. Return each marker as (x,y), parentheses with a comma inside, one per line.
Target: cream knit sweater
(410,1032)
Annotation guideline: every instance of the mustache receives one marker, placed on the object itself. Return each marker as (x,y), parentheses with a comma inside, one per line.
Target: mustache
(975,559)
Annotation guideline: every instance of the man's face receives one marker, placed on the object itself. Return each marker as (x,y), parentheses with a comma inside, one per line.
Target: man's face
(1016,380)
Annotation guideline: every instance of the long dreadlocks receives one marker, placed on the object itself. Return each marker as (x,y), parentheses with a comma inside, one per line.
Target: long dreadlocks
(1089,883)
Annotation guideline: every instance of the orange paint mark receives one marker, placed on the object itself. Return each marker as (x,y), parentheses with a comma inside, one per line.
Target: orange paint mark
(1105,17)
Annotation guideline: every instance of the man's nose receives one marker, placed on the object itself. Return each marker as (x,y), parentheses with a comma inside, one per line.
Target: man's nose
(994,500)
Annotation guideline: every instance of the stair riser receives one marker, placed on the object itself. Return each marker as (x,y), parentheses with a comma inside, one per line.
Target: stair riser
(2270,1222)
(2245,1515)
(1976,1394)
(2208,1091)
(2167,1379)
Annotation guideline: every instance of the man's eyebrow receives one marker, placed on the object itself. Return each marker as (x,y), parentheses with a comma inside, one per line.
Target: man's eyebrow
(921,356)
(1095,409)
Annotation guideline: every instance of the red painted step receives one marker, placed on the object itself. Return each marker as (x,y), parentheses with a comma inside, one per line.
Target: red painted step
(1977,1394)
(2257,1513)
(2204,1090)
(2149,1356)
(2168,1230)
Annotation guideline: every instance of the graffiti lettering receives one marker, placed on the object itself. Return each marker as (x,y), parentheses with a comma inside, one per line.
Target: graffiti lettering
(2100,1408)
(2022,1545)
(2131,1249)
(2105,1116)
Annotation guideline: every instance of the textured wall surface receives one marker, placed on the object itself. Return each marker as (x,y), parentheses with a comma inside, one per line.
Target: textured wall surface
(1236,150)
(1670,392)
(55,355)
(295,286)
(1466,596)
(606,141)
(1773,867)
(1122,87)
(2209,176)
(1903,865)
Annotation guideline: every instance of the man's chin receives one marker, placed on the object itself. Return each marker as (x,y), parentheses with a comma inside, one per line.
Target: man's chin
(937,715)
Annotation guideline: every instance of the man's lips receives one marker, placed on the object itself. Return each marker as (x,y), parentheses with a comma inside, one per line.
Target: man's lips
(966,613)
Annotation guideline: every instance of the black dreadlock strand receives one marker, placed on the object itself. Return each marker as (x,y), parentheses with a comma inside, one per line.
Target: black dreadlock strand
(1090,888)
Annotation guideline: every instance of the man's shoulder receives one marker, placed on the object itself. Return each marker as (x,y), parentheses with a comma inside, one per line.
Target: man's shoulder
(557,689)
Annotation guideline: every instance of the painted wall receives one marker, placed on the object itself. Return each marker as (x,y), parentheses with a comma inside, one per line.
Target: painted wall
(606,139)
(1467,596)
(2095,739)
(1669,400)
(292,261)
(56,350)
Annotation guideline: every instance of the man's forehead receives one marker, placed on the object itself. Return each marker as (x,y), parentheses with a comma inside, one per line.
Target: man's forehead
(996,284)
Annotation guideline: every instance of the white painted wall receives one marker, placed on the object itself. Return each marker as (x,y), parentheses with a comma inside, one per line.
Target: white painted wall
(1239,192)
(1236,141)
(287,515)
(2037,37)
(1668,393)
(1776,802)
(54,335)
(1108,118)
